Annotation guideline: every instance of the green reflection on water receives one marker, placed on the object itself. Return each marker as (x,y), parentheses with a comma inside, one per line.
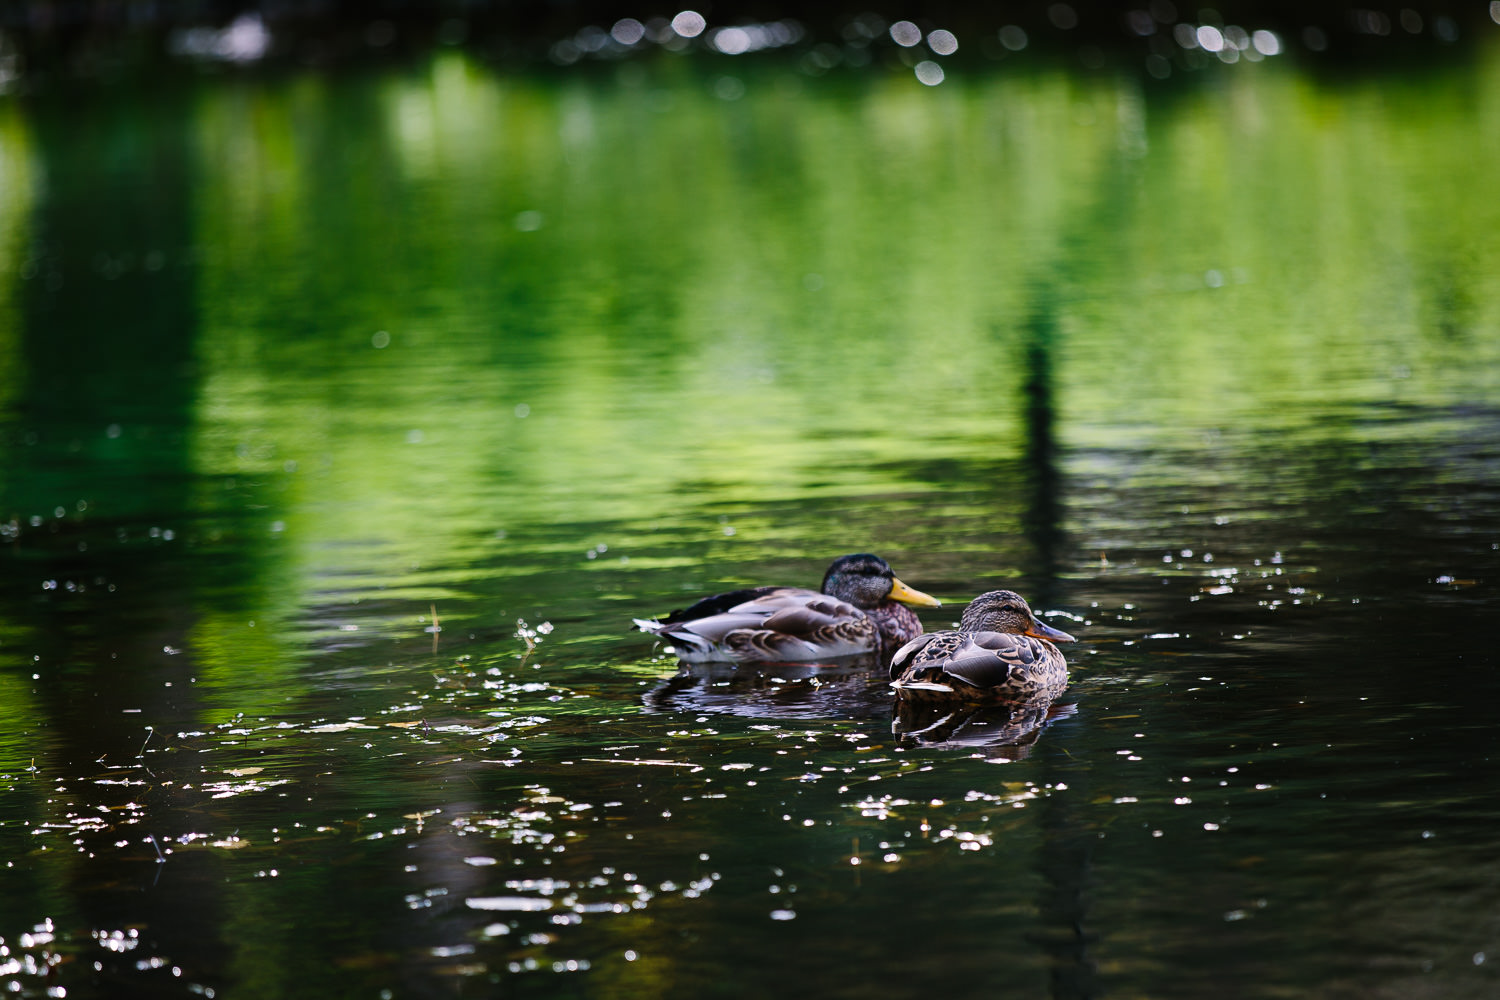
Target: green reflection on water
(772,297)
(346,350)
(795,294)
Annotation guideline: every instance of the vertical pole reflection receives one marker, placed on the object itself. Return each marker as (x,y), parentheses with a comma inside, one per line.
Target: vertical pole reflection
(1065,857)
(1065,863)
(1041,514)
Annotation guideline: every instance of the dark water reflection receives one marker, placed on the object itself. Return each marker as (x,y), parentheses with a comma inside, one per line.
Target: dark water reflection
(854,688)
(333,480)
(1010,730)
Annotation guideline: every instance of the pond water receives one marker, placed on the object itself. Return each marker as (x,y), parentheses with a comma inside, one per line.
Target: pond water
(347,420)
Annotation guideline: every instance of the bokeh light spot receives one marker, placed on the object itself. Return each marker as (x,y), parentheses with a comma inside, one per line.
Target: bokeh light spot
(943,42)
(929,72)
(689,24)
(905,34)
(1267,43)
(1013,37)
(627,31)
(732,41)
(1062,16)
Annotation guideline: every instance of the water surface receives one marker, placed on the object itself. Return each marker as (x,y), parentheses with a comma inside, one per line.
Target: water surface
(347,420)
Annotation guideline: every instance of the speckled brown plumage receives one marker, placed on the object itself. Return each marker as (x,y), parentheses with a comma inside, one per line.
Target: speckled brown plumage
(897,623)
(1000,652)
(856,613)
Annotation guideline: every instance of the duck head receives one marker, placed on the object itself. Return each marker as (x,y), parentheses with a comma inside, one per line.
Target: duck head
(1007,611)
(866,582)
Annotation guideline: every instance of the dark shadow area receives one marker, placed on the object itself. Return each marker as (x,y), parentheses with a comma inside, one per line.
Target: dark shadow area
(97,447)
(1042,514)
(53,42)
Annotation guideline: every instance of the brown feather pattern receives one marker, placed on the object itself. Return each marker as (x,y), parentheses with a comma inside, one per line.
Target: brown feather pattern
(794,624)
(788,623)
(975,663)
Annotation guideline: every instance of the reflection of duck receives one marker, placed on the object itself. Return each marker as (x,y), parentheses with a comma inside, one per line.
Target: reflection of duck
(1001,652)
(847,688)
(1010,728)
(857,612)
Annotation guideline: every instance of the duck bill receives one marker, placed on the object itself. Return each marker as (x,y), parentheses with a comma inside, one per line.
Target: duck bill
(901,592)
(1041,630)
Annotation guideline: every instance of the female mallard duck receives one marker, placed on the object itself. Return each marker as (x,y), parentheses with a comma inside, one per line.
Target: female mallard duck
(857,612)
(1001,652)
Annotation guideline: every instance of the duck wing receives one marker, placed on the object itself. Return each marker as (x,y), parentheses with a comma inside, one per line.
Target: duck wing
(767,623)
(720,603)
(995,663)
(992,659)
(917,651)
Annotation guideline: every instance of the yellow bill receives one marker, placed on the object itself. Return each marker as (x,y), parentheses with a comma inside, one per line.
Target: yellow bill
(901,592)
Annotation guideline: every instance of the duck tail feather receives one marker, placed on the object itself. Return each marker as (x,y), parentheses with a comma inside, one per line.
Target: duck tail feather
(921,686)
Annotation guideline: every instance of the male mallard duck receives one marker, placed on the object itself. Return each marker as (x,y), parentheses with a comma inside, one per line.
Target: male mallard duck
(857,612)
(1001,652)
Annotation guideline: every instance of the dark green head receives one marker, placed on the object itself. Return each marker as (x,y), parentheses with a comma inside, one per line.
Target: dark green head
(1007,611)
(866,582)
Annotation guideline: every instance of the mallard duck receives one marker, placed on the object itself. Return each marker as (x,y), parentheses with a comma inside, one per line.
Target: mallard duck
(1000,652)
(856,612)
